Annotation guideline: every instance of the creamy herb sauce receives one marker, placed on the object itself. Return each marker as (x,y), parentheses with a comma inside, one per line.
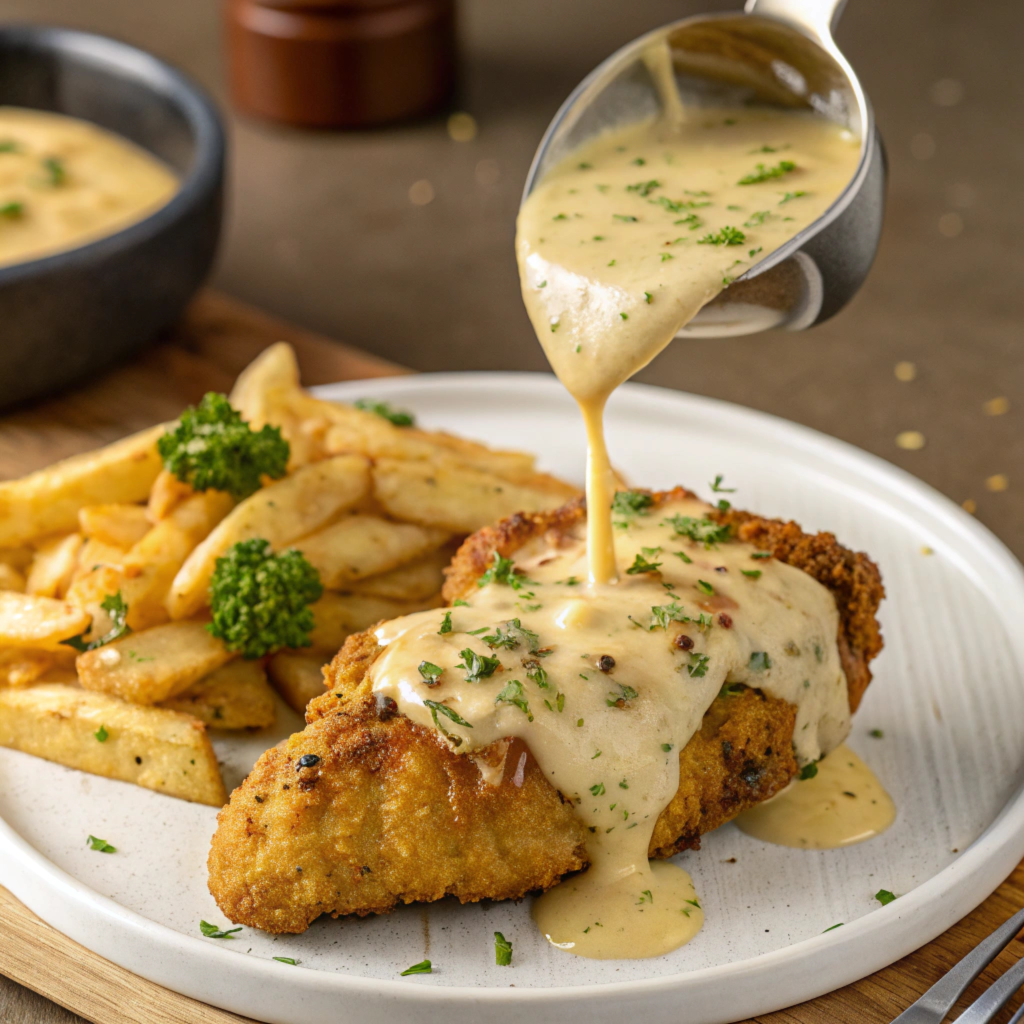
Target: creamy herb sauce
(843,804)
(597,682)
(65,182)
(623,243)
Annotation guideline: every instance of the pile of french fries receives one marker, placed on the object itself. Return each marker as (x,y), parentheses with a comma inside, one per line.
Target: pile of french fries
(376,508)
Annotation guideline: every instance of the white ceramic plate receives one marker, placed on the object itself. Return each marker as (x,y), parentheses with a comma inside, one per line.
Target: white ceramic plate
(948,694)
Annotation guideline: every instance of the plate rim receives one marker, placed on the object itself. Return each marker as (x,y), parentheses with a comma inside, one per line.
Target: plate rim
(190,965)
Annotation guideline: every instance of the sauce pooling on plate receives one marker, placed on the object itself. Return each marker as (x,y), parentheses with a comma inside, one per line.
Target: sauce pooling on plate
(622,244)
(607,682)
(840,804)
(65,182)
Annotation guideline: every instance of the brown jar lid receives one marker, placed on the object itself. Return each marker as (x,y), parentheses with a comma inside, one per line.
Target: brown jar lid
(340,63)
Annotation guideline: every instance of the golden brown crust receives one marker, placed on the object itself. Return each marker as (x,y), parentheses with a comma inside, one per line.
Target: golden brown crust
(392,798)
(387,815)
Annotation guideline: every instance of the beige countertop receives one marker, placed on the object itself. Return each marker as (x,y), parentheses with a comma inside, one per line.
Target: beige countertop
(322,230)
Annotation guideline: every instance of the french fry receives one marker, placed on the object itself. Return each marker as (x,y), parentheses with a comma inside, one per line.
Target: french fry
(23,666)
(145,573)
(235,696)
(48,501)
(11,579)
(168,492)
(298,678)
(54,566)
(119,525)
(39,622)
(19,558)
(280,513)
(336,616)
(273,370)
(152,564)
(94,553)
(419,580)
(154,665)
(360,545)
(156,748)
(451,498)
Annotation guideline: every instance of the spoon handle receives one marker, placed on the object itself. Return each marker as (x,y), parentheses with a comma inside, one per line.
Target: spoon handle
(817,18)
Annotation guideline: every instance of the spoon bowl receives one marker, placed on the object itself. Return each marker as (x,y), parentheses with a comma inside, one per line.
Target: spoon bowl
(779,53)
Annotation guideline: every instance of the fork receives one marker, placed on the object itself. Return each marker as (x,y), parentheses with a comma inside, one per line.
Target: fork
(933,1006)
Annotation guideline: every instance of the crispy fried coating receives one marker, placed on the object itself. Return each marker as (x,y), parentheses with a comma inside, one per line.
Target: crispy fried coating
(390,814)
(383,814)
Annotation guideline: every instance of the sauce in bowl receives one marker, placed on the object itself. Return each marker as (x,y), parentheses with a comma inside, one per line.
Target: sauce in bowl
(65,182)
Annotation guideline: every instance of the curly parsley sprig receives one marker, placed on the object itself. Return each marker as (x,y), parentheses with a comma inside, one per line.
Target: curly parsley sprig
(213,448)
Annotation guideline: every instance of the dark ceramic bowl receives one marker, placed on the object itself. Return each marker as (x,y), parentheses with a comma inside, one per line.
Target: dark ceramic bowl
(65,316)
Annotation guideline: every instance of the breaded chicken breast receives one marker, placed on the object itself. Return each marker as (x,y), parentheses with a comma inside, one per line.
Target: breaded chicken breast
(363,809)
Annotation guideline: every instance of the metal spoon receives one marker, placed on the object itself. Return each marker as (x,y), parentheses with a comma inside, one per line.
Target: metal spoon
(779,53)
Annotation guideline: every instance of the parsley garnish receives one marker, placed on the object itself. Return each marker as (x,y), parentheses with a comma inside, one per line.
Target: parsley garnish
(765,173)
(622,698)
(512,693)
(502,950)
(789,196)
(725,236)
(751,573)
(757,219)
(286,960)
(761,554)
(114,605)
(459,603)
(698,666)
(663,614)
(834,927)
(12,210)
(678,205)
(645,897)
(626,218)
(628,505)
(100,845)
(648,298)
(423,967)
(101,734)
(644,188)
(430,672)
(716,485)
(397,417)
(535,673)
(808,771)
(512,636)
(503,571)
(260,600)
(884,896)
(211,931)
(704,530)
(446,624)
(876,734)
(477,666)
(704,587)
(436,708)
(759,661)
(641,565)
(56,172)
(597,790)
(666,747)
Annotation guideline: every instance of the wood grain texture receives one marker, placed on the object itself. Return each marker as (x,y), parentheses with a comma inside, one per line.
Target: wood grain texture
(215,341)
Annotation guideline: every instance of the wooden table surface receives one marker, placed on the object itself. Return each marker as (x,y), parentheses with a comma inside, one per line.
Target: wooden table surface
(216,339)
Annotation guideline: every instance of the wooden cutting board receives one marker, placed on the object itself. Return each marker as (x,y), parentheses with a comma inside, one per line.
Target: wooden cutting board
(215,340)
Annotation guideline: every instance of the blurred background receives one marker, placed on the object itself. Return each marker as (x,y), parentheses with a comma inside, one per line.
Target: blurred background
(400,240)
